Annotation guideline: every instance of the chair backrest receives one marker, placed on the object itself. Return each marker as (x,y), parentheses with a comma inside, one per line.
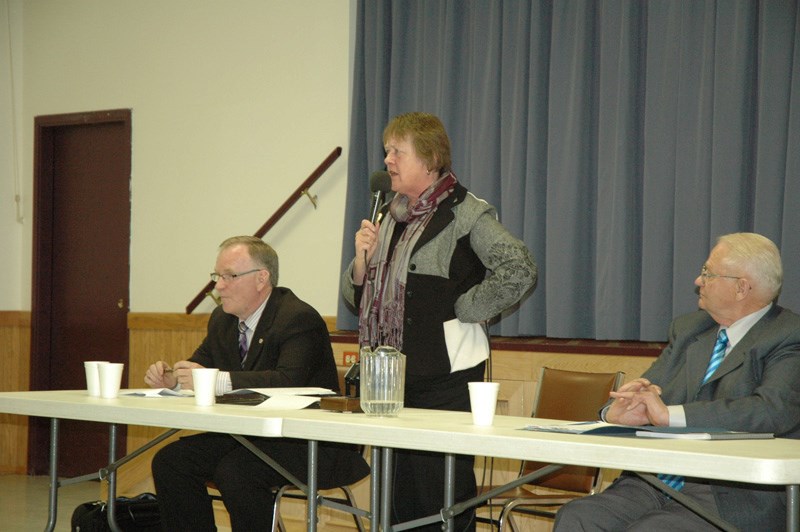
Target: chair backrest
(572,396)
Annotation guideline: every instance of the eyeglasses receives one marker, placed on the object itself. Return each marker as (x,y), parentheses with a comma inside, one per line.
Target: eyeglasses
(228,277)
(705,275)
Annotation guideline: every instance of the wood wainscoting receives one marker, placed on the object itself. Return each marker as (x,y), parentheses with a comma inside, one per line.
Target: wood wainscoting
(15,356)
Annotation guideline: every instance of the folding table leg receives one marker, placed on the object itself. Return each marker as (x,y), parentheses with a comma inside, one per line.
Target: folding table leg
(375,488)
(793,508)
(313,451)
(52,510)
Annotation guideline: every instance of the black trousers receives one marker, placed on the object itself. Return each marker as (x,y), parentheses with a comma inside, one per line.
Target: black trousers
(246,483)
(419,476)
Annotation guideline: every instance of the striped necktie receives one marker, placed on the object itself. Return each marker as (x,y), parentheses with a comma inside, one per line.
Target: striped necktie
(717,355)
(675,481)
(242,342)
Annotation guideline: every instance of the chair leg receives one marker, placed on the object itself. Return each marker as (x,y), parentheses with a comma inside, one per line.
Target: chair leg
(348,494)
(506,518)
(277,522)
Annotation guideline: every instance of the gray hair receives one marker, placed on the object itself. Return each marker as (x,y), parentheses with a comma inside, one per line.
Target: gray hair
(261,253)
(759,257)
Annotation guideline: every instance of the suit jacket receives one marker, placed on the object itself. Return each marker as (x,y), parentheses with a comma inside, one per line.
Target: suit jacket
(290,346)
(756,388)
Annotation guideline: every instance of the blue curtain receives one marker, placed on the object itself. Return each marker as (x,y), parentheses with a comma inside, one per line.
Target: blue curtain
(617,139)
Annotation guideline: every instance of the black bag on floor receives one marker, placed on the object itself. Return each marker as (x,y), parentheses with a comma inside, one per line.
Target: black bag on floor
(133,514)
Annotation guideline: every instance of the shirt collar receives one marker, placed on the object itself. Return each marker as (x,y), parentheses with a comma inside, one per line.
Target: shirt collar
(740,327)
(252,320)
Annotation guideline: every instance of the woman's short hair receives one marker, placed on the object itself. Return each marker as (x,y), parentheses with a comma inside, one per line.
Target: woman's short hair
(428,136)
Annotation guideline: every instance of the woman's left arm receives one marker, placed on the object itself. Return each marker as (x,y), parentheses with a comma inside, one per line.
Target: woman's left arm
(512,271)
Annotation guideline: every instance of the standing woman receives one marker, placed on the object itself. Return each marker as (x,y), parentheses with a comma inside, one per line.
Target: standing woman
(419,279)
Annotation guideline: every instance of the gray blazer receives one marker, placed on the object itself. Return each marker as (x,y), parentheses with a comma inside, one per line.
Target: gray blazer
(447,277)
(756,388)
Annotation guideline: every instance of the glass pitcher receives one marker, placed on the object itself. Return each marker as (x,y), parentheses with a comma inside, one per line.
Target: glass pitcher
(383,380)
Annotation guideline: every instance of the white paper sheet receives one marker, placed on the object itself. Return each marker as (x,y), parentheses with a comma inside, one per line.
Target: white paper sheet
(287,402)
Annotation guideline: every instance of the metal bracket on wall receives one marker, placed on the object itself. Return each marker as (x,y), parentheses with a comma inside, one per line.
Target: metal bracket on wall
(208,290)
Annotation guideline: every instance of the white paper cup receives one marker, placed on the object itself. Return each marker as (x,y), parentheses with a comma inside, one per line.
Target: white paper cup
(93,376)
(483,401)
(205,386)
(110,376)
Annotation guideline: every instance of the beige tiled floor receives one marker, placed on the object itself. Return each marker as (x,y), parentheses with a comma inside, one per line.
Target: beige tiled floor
(24,502)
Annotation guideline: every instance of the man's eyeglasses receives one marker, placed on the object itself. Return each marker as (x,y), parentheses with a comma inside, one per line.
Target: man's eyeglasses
(228,277)
(706,275)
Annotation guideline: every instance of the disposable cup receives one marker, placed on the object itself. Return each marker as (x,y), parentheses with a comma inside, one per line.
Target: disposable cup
(205,386)
(483,401)
(93,376)
(110,376)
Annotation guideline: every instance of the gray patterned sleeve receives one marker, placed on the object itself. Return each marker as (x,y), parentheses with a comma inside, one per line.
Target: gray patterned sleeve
(347,286)
(512,271)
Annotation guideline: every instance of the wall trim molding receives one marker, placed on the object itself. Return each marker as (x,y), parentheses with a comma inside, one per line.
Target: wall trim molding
(549,345)
(166,320)
(15,318)
(181,321)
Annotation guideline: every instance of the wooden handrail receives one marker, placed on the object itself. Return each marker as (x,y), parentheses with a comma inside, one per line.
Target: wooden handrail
(296,195)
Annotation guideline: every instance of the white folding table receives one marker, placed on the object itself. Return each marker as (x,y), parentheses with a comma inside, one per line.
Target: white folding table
(768,462)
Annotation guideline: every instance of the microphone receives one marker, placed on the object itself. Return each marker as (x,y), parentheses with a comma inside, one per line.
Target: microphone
(380,183)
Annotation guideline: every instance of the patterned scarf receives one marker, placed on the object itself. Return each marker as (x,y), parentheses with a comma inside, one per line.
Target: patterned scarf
(382,308)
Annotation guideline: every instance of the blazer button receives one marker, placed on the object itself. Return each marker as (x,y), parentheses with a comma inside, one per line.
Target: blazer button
(412,267)
(409,294)
(409,321)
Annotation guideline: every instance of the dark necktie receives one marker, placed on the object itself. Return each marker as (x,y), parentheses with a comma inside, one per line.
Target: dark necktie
(242,342)
(676,481)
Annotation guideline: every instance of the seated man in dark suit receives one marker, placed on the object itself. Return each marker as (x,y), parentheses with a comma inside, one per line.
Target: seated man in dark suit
(262,336)
(734,364)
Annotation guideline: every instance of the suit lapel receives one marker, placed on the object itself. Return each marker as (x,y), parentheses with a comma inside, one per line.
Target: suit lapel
(258,342)
(736,357)
(229,331)
(697,357)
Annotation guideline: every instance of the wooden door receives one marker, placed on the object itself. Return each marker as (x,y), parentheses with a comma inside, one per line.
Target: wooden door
(81,270)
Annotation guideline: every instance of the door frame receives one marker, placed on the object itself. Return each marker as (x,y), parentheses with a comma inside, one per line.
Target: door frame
(45,128)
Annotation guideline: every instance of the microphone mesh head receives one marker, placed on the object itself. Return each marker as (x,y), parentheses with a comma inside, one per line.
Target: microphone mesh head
(380,181)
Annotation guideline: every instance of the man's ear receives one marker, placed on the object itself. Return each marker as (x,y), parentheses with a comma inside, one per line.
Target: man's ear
(743,288)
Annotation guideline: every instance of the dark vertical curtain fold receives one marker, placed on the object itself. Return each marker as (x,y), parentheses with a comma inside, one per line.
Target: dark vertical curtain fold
(618,139)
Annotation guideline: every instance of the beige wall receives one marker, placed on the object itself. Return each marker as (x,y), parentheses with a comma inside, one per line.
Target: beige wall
(11,259)
(234,104)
